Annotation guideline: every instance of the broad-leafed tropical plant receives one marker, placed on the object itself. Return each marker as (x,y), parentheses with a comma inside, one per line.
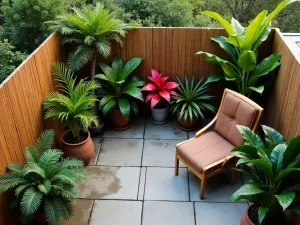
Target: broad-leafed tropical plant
(46,183)
(74,105)
(93,29)
(192,99)
(275,172)
(159,88)
(119,90)
(242,44)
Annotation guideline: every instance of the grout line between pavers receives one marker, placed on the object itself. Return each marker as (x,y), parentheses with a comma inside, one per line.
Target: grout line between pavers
(91,212)
(166,167)
(146,172)
(137,197)
(195,219)
(189,188)
(98,155)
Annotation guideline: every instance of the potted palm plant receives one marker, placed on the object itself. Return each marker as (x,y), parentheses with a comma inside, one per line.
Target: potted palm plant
(119,91)
(243,67)
(92,29)
(192,101)
(45,185)
(159,92)
(74,108)
(274,176)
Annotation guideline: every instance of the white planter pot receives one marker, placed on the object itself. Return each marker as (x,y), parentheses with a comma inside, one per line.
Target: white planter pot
(160,116)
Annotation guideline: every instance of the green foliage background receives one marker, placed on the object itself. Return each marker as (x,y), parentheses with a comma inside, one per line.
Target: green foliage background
(22,21)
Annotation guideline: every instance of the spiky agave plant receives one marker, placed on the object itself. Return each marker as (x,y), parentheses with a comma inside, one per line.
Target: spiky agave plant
(74,105)
(45,183)
(193,100)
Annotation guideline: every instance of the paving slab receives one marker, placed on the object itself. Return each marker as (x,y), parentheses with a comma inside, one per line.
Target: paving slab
(160,153)
(217,188)
(121,152)
(170,130)
(110,183)
(208,213)
(135,131)
(116,213)
(82,212)
(162,184)
(168,213)
(97,144)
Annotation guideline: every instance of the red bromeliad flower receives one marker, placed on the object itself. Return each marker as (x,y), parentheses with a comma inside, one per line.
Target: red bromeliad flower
(159,88)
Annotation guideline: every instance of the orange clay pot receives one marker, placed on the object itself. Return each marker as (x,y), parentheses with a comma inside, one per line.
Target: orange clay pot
(119,121)
(83,150)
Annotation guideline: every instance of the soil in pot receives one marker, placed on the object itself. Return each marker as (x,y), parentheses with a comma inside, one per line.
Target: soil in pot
(187,125)
(81,148)
(277,219)
(97,131)
(119,122)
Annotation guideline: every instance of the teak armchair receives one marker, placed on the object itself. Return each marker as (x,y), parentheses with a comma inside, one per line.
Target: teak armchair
(208,153)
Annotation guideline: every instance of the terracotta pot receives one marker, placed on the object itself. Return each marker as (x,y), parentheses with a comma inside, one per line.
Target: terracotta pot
(187,125)
(119,121)
(246,220)
(83,151)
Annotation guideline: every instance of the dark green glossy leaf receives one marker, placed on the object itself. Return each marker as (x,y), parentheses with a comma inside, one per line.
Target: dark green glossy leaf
(286,199)
(214,77)
(134,107)
(130,66)
(272,136)
(259,89)
(247,61)
(276,157)
(250,137)
(109,106)
(133,91)
(107,70)
(105,100)
(226,46)
(124,107)
(262,211)
(292,151)
(247,189)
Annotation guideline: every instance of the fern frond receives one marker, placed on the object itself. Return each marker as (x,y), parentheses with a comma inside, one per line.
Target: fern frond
(45,141)
(49,159)
(31,201)
(66,208)
(53,211)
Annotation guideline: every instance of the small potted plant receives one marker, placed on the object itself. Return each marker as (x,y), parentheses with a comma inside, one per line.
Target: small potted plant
(119,91)
(274,172)
(74,107)
(192,101)
(45,185)
(160,96)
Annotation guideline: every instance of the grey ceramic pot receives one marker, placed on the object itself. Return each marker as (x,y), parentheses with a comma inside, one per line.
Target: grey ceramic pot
(160,116)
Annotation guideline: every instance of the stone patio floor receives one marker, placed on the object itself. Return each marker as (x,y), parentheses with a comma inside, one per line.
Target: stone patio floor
(132,182)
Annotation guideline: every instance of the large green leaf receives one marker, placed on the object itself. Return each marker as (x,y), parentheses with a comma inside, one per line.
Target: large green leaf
(213,78)
(45,187)
(16,167)
(66,207)
(284,173)
(255,27)
(265,67)
(286,199)
(235,40)
(262,211)
(296,207)
(107,70)
(53,211)
(247,61)
(278,9)
(292,151)
(105,100)
(109,106)
(31,201)
(133,91)
(245,190)
(276,157)
(238,28)
(124,107)
(259,89)
(117,66)
(272,136)
(45,141)
(247,149)
(227,26)
(130,66)
(250,137)
(134,107)
(226,46)
(31,155)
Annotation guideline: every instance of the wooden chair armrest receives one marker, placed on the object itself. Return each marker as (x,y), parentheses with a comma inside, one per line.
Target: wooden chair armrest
(177,145)
(221,162)
(204,129)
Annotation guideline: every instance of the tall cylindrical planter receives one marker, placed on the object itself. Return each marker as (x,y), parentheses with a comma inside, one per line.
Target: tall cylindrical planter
(83,150)
(160,116)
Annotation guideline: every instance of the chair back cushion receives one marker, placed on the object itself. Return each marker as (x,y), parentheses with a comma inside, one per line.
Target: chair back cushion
(234,111)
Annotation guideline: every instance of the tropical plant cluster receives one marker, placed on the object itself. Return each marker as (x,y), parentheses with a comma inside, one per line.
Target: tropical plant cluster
(274,172)
(45,183)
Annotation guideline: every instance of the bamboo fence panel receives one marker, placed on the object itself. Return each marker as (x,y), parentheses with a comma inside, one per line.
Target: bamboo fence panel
(21,119)
(282,108)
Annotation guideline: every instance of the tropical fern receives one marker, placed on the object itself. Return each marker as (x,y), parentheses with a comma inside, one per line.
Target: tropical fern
(92,29)
(74,105)
(45,183)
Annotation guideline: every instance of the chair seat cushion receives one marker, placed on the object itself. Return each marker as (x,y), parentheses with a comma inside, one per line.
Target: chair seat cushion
(204,150)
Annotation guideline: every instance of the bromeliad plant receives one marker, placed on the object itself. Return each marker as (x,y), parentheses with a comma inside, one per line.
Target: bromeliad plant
(74,106)
(275,172)
(118,88)
(192,99)
(45,183)
(159,88)
(242,47)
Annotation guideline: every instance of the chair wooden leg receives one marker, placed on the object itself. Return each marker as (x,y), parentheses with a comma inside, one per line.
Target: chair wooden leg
(176,165)
(202,187)
(233,176)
